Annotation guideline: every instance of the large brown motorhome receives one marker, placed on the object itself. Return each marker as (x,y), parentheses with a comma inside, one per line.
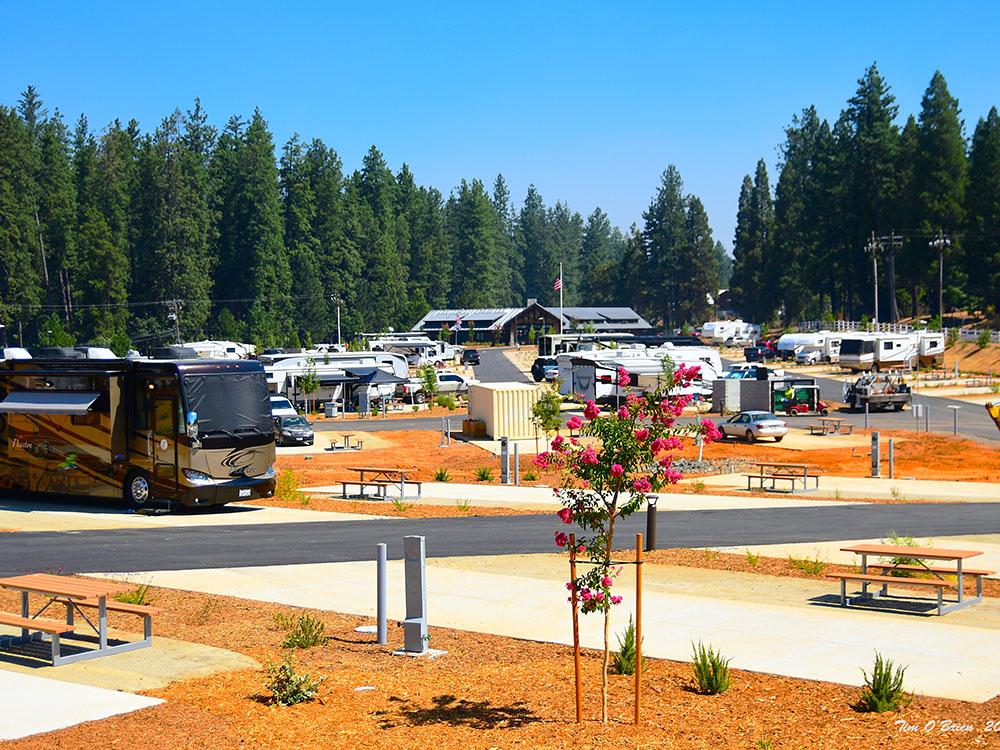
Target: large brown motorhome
(197,432)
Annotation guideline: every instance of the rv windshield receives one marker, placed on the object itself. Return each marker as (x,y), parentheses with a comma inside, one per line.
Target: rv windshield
(856,346)
(229,401)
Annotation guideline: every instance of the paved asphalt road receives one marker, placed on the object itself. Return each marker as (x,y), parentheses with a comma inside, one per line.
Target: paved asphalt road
(131,550)
(494,367)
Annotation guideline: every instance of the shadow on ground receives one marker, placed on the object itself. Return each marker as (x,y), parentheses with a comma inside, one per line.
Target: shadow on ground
(456,712)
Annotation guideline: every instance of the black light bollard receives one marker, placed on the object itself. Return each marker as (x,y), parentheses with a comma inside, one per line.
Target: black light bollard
(650,524)
(876,456)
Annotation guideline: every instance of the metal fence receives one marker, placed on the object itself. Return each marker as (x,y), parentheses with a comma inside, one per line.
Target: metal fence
(964,334)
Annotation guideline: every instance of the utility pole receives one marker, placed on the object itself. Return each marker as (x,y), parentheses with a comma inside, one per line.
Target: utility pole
(338,302)
(873,247)
(893,242)
(941,243)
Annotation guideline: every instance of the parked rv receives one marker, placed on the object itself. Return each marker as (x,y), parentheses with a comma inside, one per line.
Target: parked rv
(198,432)
(730,332)
(880,351)
(813,348)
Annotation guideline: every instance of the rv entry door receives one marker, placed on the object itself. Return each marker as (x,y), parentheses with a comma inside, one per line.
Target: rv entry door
(165,441)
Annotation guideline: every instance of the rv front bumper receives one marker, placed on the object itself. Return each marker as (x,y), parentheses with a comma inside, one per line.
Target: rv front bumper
(228,491)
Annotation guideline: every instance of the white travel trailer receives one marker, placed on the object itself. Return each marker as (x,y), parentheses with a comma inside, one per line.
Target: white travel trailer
(379,372)
(790,344)
(211,349)
(14,352)
(880,351)
(587,373)
(822,346)
(931,345)
(730,332)
(418,350)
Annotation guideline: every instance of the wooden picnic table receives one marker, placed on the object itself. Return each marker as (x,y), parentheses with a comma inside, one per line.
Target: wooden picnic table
(385,475)
(900,557)
(775,470)
(834,422)
(76,595)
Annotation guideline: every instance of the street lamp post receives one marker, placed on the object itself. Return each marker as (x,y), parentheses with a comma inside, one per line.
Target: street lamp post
(873,247)
(941,243)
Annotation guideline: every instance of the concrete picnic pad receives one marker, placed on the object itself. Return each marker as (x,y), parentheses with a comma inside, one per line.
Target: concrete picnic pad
(830,552)
(86,514)
(541,498)
(809,639)
(884,489)
(33,704)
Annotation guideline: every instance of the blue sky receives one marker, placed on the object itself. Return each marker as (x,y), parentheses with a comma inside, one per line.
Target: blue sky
(589,101)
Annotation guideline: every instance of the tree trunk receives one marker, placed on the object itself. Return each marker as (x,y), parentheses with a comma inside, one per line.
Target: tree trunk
(607,613)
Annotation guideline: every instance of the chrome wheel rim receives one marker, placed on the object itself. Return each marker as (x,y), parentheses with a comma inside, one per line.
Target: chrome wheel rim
(140,489)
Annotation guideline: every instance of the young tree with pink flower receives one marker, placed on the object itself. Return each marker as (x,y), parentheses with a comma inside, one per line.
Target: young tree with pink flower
(607,474)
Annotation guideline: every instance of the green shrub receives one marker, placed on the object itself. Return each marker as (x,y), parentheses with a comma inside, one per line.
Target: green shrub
(711,670)
(306,632)
(400,505)
(753,558)
(287,487)
(623,661)
(530,476)
(283,621)
(898,540)
(428,380)
(883,690)
(484,474)
(446,400)
(442,475)
(138,595)
(813,567)
(463,505)
(287,686)
(983,339)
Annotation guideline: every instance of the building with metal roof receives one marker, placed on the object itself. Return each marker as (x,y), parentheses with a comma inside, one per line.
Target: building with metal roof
(513,324)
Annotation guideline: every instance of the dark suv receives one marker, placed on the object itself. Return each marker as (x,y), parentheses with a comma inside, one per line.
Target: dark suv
(470,357)
(759,353)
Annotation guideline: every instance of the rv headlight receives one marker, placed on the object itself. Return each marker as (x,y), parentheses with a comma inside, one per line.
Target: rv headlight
(197,477)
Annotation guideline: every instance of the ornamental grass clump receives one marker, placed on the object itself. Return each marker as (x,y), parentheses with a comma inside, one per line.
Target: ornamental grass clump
(711,670)
(627,455)
(623,661)
(883,690)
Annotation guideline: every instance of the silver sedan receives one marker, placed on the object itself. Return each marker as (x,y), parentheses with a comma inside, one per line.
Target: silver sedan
(753,425)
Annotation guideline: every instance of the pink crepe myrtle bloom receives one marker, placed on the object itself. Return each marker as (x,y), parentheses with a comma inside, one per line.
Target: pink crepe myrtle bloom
(616,600)
(631,399)
(574,423)
(557,442)
(623,412)
(542,460)
(624,379)
(641,434)
(569,586)
(586,595)
(566,515)
(672,477)
(710,431)
(589,456)
(579,549)
(657,445)
(591,410)
(561,539)
(599,596)
(606,581)
(585,484)
(574,441)
(617,470)
(642,485)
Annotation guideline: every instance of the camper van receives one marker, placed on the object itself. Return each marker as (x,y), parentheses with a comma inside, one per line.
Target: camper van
(730,332)
(195,432)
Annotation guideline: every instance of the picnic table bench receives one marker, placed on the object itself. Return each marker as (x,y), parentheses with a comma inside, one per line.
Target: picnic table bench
(901,555)
(381,478)
(831,426)
(76,595)
(768,471)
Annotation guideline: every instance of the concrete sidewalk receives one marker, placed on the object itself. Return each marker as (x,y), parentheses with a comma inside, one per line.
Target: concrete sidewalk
(807,641)
(541,498)
(883,489)
(32,705)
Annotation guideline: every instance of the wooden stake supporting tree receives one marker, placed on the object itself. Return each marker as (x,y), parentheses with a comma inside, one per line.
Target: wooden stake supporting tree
(622,458)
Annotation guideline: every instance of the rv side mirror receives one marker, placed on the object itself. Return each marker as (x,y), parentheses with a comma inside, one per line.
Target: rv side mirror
(192,424)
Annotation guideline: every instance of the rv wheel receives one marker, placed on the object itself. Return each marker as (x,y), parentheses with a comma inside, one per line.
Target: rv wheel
(137,491)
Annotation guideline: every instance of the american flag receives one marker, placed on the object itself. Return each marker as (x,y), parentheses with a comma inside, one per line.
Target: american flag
(558,283)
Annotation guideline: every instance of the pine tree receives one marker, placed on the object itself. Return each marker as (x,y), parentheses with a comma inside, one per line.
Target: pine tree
(473,226)
(20,288)
(57,208)
(941,176)
(664,236)
(511,280)
(565,234)
(600,251)
(533,235)
(725,265)
(982,201)
(753,265)
(699,269)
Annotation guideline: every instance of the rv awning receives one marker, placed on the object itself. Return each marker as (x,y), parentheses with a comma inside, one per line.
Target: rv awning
(47,402)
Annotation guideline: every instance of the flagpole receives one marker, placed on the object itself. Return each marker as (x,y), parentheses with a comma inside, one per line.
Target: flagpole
(560,300)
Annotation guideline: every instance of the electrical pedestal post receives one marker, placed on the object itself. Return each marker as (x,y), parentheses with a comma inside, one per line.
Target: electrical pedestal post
(876,456)
(415,636)
(504,460)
